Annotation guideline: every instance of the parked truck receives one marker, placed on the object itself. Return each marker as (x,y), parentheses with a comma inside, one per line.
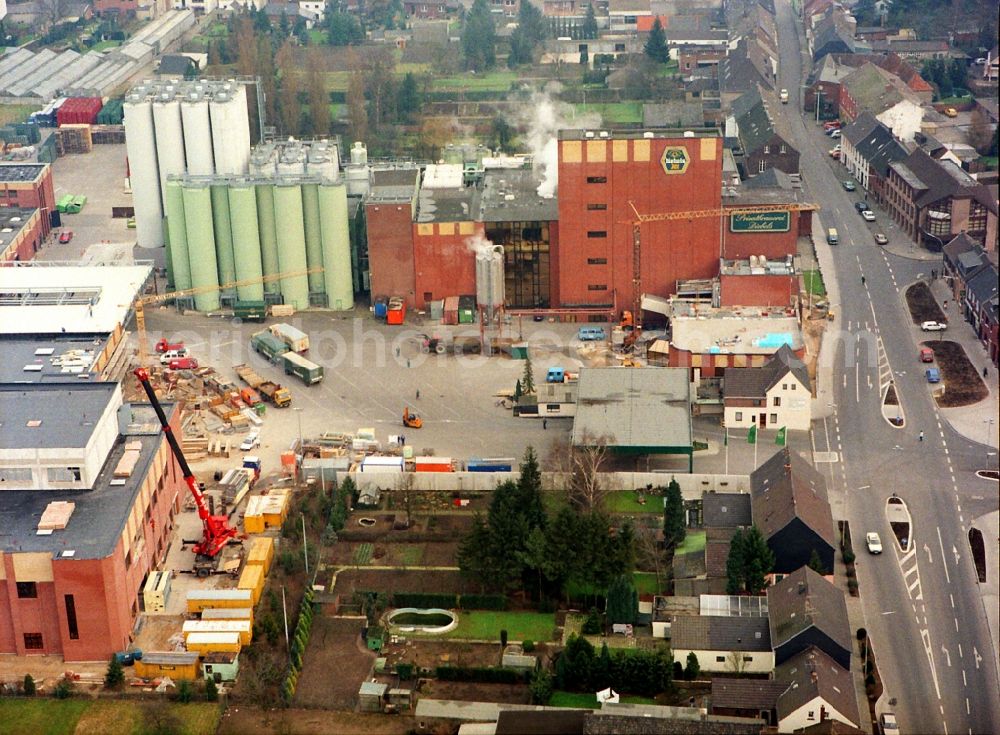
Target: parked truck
(296,339)
(266,344)
(450,344)
(250,311)
(306,371)
(269,390)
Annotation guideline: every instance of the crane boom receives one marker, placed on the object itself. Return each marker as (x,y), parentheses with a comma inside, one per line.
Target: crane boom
(216,531)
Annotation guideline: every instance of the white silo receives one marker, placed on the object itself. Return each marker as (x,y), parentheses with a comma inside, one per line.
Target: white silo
(263,161)
(322,162)
(169,137)
(197,135)
(357,180)
(241,130)
(291,159)
(140,143)
(230,130)
(359,154)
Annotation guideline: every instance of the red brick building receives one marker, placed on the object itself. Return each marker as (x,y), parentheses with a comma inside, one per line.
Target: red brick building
(601,177)
(76,592)
(29,186)
(21,235)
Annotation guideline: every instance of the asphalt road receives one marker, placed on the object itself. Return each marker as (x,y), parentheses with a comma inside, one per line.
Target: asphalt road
(922,609)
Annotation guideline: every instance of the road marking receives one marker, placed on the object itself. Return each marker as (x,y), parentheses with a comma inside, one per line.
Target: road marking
(956,624)
(925,636)
(947,655)
(960,652)
(965,682)
(975,654)
(968,711)
(889,612)
(952,598)
(930,559)
(944,561)
(955,552)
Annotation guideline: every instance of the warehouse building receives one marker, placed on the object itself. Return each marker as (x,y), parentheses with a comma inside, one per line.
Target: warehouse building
(29,186)
(21,234)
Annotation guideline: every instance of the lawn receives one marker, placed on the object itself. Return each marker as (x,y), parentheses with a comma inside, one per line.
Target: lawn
(16,113)
(645,583)
(584,700)
(108,717)
(614,112)
(408,555)
(814,283)
(105,45)
(991,162)
(496,81)
(482,625)
(627,501)
(694,542)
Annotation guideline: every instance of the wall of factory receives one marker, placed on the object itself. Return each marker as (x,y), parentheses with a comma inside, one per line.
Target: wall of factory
(597,180)
(758,290)
(390,249)
(37,194)
(773,245)
(443,264)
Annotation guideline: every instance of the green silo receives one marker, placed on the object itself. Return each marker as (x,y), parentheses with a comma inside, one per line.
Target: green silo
(180,270)
(201,245)
(314,244)
(223,233)
(290,229)
(246,240)
(336,246)
(268,237)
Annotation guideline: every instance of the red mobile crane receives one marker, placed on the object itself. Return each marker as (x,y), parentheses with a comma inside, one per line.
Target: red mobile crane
(216,531)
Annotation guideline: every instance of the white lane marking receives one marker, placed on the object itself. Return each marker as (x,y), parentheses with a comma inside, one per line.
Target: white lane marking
(944,561)
(925,636)
(965,682)
(947,655)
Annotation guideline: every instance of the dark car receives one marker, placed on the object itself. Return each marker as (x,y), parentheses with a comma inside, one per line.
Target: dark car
(862,207)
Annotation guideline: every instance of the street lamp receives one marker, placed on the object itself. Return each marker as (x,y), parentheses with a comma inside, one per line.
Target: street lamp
(298,414)
(989,435)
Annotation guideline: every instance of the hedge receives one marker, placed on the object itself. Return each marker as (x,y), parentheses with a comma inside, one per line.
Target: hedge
(481,675)
(298,647)
(483,602)
(425,599)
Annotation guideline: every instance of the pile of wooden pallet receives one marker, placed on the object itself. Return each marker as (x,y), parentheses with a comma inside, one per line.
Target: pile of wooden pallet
(73,139)
(56,515)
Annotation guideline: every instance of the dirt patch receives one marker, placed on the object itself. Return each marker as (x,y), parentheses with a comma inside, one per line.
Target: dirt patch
(439,527)
(335,664)
(401,580)
(245,720)
(429,654)
(922,304)
(962,384)
(890,396)
(467,692)
(156,632)
(978,553)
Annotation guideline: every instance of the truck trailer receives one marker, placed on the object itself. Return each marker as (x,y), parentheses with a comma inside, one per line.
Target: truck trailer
(266,344)
(296,339)
(269,390)
(306,371)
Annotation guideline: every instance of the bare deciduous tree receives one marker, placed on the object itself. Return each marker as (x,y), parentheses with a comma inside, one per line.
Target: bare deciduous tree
(650,552)
(583,463)
(736,663)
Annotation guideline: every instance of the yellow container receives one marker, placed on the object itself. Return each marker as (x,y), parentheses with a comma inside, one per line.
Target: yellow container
(261,553)
(252,579)
(175,664)
(213,642)
(198,600)
(229,613)
(240,627)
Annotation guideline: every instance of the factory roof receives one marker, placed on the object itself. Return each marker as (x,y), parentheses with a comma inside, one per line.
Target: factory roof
(447,204)
(39,298)
(16,172)
(736,331)
(47,359)
(629,134)
(394,184)
(36,416)
(100,513)
(639,410)
(512,195)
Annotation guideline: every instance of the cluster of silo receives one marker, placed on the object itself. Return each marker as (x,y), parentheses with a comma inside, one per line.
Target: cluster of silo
(173,128)
(490,280)
(289,214)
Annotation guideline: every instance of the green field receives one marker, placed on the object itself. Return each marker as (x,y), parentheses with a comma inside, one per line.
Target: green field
(44,716)
(693,543)
(105,45)
(627,501)
(16,113)
(814,283)
(583,700)
(495,81)
(482,625)
(613,112)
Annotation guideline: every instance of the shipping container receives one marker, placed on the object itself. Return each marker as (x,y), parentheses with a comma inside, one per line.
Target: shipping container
(228,613)
(296,339)
(266,344)
(451,310)
(178,665)
(156,591)
(250,311)
(433,464)
(242,627)
(198,600)
(490,465)
(213,642)
(220,666)
(266,511)
(382,464)
(79,111)
(261,553)
(252,578)
(306,371)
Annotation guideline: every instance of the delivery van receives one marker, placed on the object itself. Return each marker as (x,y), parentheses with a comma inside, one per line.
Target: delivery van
(831,236)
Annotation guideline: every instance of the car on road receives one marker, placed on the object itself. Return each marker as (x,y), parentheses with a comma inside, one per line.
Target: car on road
(926,354)
(784,96)
(251,441)
(933,326)
(887,724)
(65,236)
(835,133)
(831,125)
(881,239)
(849,185)
(590,334)
(933,375)
(835,152)
(873,542)
(861,206)
(183,363)
(868,215)
(950,112)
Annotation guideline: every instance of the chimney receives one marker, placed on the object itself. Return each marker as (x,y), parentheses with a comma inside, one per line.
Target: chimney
(802,588)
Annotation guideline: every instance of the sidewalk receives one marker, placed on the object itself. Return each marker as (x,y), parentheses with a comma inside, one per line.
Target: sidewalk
(823,405)
(856,619)
(989,525)
(977,422)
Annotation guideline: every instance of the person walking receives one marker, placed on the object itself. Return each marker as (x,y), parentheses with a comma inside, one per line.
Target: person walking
(921,436)
(986,372)
(545,424)
(418,394)
(862,280)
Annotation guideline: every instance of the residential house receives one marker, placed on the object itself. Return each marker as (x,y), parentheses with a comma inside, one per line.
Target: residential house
(817,689)
(791,509)
(777,394)
(884,95)
(834,34)
(912,49)
(963,259)
(868,147)
(747,66)
(726,510)
(991,69)
(762,145)
(980,306)
(723,643)
(426,9)
(806,611)
(562,8)
(673,114)
(690,58)
(747,698)
(623,15)
(828,72)
(932,201)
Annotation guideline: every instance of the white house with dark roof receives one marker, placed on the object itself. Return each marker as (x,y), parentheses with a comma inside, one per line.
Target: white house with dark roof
(775,395)
(724,644)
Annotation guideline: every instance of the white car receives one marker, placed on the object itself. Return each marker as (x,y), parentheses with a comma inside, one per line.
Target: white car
(874,543)
(868,215)
(888,722)
(933,326)
(251,441)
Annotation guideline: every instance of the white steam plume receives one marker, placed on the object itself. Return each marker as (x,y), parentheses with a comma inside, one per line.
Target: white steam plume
(479,244)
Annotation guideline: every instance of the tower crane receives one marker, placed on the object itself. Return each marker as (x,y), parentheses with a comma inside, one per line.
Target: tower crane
(143,301)
(641,219)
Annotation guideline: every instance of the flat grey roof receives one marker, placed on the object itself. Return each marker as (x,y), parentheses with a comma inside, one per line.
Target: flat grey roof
(14,172)
(646,409)
(56,366)
(50,403)
(729,334)
(100,513)
(512,195)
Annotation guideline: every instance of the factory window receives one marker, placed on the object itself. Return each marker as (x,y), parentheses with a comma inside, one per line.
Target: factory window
(597,207)
(767,149)
(428,295)
(63,474)
(33,641)
(27,590)
(128,559)
(552,407)
(619,48)
(15,474)
(748,659)
(597,179)
(760,166)
(597,287)
(595,234)
(782,147)
(74,631)
(597,261)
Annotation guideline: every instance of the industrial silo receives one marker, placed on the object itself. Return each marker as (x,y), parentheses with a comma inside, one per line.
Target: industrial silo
(291,159)
(263,160)
(223,233)
(201,245)
(169,136)
(180,270)
(197,134)
(144,176)
(246,240)
(314,243)
(268,236)
(241,130)
(336,246)
(230,129)
(322,160)
(288,220)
